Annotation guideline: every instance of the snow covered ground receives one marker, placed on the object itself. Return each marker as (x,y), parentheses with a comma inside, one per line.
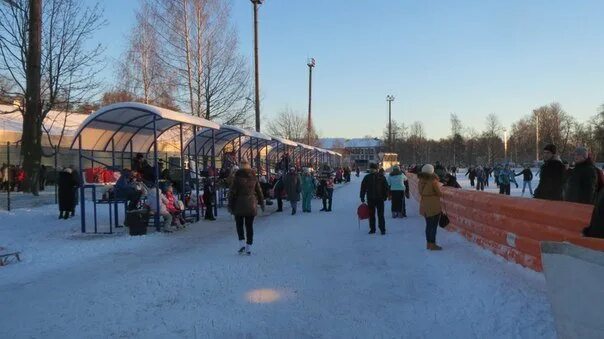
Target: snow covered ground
(311,275)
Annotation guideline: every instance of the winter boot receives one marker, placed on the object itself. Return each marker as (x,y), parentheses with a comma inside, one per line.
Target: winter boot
(241,247)
(248,249)
(61,215)
(434,247)
(394,215)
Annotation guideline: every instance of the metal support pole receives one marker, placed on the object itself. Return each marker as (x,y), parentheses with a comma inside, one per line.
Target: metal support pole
(256,65)
(182,165)
(82,191)
(156,170)
(8,179)
(56,164)
(311,65)
(197,173)
(214,169)
(239,150)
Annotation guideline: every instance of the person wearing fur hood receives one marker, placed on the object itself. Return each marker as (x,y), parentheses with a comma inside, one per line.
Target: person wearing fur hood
(429,206)
(245,195)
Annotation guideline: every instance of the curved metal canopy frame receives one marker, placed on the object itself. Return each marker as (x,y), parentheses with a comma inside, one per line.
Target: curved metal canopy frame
(114,127)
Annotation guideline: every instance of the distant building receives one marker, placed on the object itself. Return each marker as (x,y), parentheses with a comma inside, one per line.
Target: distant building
(357,151)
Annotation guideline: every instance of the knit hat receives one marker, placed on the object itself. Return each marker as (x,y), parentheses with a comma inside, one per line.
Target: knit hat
(582,151)
(428,169)
(551,148)
(373,166)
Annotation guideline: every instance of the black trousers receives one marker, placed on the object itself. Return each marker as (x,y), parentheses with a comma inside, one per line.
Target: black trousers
(249,228)
(209,210)
(504,189)
(398,202)
(279,203)
(431,227)
(480,185)
(327,198)
(471,182)
(376,206)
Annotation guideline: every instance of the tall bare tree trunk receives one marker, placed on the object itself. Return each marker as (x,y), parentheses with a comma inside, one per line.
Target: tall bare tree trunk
(31,147)
(187,36)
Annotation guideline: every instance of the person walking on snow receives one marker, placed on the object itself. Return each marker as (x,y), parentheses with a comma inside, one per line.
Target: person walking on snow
(327,194)
(308,189)
(292,187)
(429,205)
(375,188)
(551,175)
(279,191)
(245,195)
(527,177)
(397,181)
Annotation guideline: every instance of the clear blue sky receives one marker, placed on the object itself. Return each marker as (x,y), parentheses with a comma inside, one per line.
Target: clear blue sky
(471,57)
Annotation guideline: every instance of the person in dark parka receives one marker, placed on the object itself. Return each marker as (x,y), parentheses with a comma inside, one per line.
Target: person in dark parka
(67,184)
(293,187)
(552,175)
(582,182)
(596,224)
(245,194)
(375,187)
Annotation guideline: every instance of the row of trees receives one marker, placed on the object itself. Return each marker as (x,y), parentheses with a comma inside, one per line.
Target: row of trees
(525,139)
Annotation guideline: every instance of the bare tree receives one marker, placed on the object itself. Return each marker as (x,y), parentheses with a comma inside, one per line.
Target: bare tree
(67,71)
(457,142)
(140,71)
(199,45)
(289,125)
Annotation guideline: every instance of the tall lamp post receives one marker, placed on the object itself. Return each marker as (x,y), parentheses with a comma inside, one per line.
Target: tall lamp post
(311,65)
(505,144)
(390,99)
(256,3)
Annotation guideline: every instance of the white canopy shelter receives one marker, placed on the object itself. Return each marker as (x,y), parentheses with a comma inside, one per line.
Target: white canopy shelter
(131,123)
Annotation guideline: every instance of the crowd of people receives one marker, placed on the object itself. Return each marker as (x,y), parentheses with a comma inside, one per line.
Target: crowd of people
(12,178)
(575,181)
(247,192)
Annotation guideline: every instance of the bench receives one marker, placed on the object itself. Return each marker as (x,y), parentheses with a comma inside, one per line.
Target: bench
(7,258)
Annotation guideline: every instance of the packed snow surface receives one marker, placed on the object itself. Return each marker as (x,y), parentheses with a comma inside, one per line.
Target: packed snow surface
(310,276)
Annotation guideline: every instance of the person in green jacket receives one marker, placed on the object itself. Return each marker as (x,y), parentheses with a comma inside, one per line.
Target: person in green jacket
(308,189)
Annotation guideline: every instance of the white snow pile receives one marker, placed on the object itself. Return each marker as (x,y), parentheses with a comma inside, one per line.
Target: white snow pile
(311,275)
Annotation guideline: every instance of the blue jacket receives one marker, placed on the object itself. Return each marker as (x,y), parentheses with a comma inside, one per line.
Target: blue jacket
(397,182)
(123,182)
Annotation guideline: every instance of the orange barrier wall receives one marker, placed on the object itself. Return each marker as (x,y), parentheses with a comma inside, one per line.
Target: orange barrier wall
(513,227)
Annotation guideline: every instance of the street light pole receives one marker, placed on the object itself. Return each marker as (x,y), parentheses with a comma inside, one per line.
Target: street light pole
(505,144)
(256,3)
(390,99)
(311,65)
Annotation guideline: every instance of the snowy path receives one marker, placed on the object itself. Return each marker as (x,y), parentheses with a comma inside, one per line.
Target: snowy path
(312,275)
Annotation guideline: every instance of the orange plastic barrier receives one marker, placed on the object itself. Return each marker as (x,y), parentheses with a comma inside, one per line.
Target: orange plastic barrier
(513,227)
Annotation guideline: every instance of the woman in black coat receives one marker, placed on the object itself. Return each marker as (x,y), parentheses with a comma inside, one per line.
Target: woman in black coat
(67,185)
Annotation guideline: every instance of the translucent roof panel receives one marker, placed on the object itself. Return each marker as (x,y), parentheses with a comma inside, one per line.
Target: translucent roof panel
(222,137)
(127,122)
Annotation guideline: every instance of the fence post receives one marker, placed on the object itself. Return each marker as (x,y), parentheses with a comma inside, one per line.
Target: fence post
(8,181)
(56,174)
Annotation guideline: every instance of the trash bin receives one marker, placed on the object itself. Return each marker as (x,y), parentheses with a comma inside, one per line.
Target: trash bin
(137,221)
